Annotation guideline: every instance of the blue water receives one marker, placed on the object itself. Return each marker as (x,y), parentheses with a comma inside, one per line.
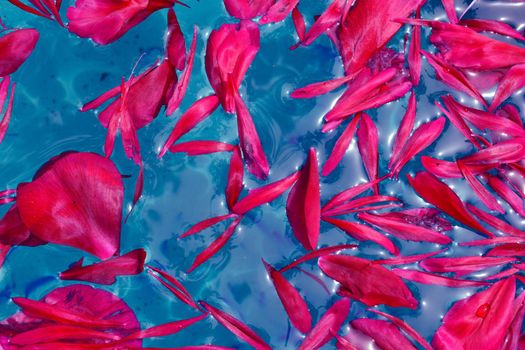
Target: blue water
(65,71)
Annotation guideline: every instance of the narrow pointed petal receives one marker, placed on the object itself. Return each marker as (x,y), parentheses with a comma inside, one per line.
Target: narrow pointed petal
(320,88)
(385,335)
(165,329)
(329,324)
(404,130)
(348,194)
(369,283)
(175,46)
(199,111)
(303,207)
(204,224)
(406,260)
(105,272)
(235,326)
(493,221)
(368,144)
(278,11)
(265,194)
(250,143)
(195,148)
(364,233)
(440,195)
(414,53)
(215,246)
(489,25)
(298,21)
(341,146)
(507,249)
(173,285)
(328,19)
(316,254)
(483,194)
(437,280)
(293,302)
(464,265)
(235,184)
(505,192)
(450,9)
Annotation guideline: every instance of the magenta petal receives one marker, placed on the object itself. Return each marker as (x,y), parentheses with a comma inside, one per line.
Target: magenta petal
(15,48)
(439,194)
(235,184)
(195,148)
(175,46)
(265,194)
(327,20)
(450,9)
(250,143)
(404,130)
(506,192)
(278,11)
(386,335)
(480,321)
(293,302)
(368,144)
(414,53)
(369,283)
(341,146)
(437,280)
(329,324)
(303,207)
(105,272)
(463,265)
(489,25)
(236,327)
(511,82)
(75,200)
(316,254)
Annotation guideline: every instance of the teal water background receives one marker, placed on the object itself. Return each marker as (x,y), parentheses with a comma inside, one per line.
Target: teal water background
(65,71)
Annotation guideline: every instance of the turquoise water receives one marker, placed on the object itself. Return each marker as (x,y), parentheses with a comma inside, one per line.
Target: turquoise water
(65,71)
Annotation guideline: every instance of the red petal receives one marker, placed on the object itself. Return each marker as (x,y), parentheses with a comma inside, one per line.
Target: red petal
(215,246)
(505,192)
(182,84)
(414,54)
(363,233)
(278,11)
(246,9)
(483,194)
(423,137)
(450,9)
(386,335)
(328,19)
(175,45)
(453,77)
(195,148)
(348,194)
(75,200)
(330,323)
(480,321)
(236,327)
(315,254)
(4,123)
(404,130)
(507,249)
(489,25)
(298,22)
(165,329)
(341,146)
(320,88)
(493,221)
(173,286)
(463,265)
(369,283)
(437,280)
(410,259)
(368,144)
(15,48)
(204,224)
(105,272)
(46,334)
(513,334)
(250,143)
(357,205)
(457,120)
(303,207)
(265,194)
(400,228)
(235,178)
(198,111)
(292,301)
(440,195)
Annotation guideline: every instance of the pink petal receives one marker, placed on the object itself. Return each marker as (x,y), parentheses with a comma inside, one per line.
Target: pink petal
(479,321)
(204,224)
(369,283)
(198,111)
(493,221)
(414,53)
(453,77)
(293,302)
(195,148)
(341,146)
(386,335)
(440,195)
(507,249)
(437,280)
(403,230)
(165,329)
(105,272)
(348,194)
(483,194)
(513,334)
(75,200)
(422,137)
(405,260)
(298,22)
(4,123)
(489,25)
(457,120)
(235,178)
(250,143)
(368,144)
(173,285)
(463,265)
(450,9)
(247,9)
(52,333)
(363,233)
(175,45)
(331,17)
(405,327)
(15,48)
(315,254)
(357,205)
(182,84)
(505,192)
(215,246)
(320,88)
(404,130)
(330,322)
(265,194)
(303,207)
(235,326)
(278,11)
